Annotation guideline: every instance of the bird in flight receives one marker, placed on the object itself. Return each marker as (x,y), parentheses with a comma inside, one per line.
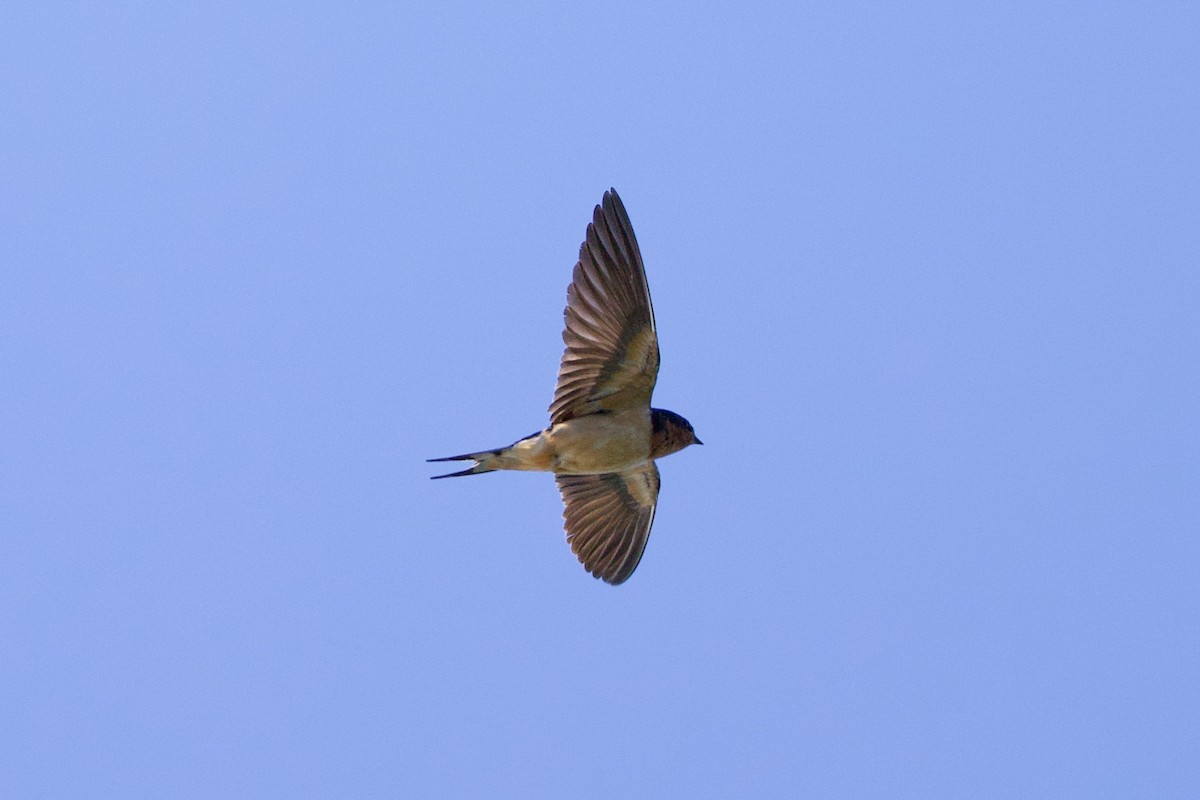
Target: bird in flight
(604,437)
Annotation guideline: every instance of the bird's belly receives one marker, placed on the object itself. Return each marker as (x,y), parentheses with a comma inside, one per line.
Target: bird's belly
(600,443)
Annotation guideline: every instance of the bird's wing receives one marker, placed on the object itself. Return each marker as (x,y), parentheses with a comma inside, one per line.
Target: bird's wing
(608,518)
(611,357)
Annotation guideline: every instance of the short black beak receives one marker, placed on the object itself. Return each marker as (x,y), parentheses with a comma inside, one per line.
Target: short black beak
(697,440)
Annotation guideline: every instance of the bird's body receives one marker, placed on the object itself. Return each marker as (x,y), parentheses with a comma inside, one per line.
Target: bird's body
(590,445)
(604,438)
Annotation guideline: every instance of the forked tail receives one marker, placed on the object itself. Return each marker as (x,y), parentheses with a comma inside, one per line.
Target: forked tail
(483,463)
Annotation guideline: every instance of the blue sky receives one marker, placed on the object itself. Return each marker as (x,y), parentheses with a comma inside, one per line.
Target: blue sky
(926,281)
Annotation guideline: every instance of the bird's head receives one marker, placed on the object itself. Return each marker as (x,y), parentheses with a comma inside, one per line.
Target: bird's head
(670,433)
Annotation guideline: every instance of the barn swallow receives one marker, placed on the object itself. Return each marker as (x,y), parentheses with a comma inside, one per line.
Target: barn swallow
(604,438)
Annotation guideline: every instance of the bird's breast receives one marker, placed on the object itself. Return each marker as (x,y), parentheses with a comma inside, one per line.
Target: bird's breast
(599,443)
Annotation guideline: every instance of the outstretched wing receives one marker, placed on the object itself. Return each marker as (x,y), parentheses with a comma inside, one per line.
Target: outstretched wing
(611,359)
(608,518)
